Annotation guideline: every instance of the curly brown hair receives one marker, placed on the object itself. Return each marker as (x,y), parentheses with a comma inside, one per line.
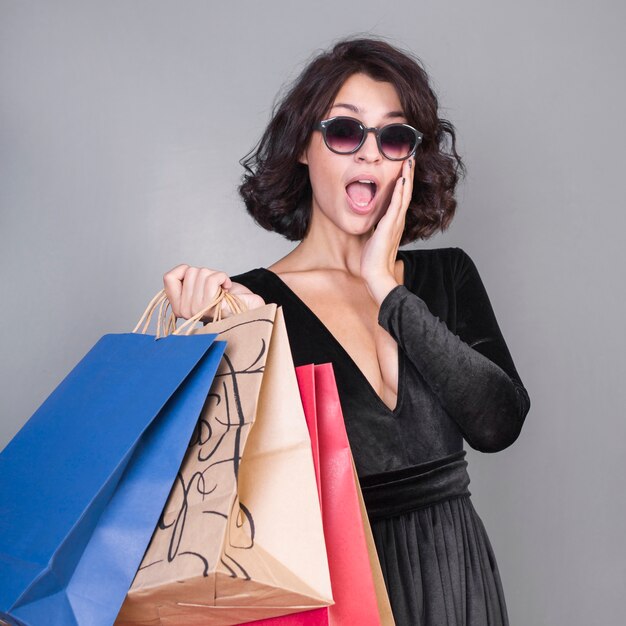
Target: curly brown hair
(276,187)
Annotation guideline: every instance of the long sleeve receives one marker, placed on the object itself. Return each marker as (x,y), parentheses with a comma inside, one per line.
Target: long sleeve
(471,373)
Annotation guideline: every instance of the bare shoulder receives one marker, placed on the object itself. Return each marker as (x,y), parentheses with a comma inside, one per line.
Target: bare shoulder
(302,279)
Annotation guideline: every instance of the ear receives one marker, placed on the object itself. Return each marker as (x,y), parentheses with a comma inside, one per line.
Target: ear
(303,158)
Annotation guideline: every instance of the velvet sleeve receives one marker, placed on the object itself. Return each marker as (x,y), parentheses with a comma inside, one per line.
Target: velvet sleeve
(472,372)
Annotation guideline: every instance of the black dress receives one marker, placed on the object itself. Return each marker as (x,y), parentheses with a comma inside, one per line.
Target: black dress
(456,381)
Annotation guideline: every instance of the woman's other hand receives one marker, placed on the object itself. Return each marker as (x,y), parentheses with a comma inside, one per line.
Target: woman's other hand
(378,259)
(191,289)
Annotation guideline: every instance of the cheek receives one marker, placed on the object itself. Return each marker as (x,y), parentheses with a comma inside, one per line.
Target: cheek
(325,178)
(390,187)
(388,191)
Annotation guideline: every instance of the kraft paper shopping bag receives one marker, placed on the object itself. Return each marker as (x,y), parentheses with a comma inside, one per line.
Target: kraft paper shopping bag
(241,536)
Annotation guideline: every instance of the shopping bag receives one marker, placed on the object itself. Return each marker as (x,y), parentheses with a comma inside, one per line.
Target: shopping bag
(357,582)
(241,535)
(306,385)
(352,554)
(113,433)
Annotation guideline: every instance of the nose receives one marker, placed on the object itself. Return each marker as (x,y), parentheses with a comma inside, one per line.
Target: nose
(369,150)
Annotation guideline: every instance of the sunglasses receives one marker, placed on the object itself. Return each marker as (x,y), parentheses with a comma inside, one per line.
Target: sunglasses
(345,135)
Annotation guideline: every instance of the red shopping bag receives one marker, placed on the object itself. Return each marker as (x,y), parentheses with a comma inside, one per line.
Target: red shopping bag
(356,578)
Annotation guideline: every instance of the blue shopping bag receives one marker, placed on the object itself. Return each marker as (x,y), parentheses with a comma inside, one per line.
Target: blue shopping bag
(83,483)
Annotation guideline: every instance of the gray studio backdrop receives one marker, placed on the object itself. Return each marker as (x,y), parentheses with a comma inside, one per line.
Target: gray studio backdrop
(121,127)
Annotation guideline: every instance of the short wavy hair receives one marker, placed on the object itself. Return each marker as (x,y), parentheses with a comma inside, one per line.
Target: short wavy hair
(276,188)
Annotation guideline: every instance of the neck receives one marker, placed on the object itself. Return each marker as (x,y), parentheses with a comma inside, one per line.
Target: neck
(328,247)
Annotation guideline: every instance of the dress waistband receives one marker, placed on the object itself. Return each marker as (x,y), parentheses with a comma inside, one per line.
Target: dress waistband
(400,491)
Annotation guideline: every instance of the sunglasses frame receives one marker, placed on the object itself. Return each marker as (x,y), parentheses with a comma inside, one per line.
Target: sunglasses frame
(323,125)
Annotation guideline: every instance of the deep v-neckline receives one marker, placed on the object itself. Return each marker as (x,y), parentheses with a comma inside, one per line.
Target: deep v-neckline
(351,362)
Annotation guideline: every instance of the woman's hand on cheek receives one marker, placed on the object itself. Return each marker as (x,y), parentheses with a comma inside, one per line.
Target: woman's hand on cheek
(378,259)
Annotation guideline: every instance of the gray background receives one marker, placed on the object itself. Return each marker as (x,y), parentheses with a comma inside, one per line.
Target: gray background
(121,127)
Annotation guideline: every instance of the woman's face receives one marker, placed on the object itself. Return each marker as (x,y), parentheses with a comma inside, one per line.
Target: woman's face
(374,103)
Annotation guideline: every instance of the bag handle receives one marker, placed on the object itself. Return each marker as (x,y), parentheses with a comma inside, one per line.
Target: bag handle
(146,317)
(167,325)
(236,306)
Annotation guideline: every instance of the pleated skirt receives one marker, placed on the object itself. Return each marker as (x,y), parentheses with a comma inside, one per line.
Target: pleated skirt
(439,567)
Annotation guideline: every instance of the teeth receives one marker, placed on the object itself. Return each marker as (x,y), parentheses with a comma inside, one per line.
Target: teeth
(370,182)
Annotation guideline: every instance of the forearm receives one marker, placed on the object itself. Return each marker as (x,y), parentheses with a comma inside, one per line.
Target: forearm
(488,405)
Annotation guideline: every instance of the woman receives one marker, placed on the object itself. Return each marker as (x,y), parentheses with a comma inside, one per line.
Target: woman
(352,165)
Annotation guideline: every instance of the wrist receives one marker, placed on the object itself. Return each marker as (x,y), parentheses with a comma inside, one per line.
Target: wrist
(380,286)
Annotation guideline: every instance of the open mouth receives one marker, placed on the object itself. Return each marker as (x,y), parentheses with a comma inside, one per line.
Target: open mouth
(361,192)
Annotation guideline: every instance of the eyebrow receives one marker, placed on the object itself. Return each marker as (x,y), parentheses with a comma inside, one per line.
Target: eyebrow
(356,109)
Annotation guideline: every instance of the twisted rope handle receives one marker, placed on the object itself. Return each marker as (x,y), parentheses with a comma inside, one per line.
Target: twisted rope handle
(147,314)
(167,325)
(236,306)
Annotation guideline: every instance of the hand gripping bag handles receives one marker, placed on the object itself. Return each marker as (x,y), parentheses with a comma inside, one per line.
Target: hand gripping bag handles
(241,535)
(82,484)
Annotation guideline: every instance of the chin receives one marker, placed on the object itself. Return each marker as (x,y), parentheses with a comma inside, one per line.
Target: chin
(358,226)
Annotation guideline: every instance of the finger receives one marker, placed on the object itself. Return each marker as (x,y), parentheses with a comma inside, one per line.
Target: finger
(189,284)
(411,178)
(213,282)
(206,287)
(389,227)
(249,301)
(395,206)
(400,203)
(252,301)
(173,285)
(177,272)
(198,299)
(407,172)
(407,187)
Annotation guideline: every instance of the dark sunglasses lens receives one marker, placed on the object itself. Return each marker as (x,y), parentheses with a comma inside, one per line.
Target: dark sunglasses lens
(343,135)
(397,141)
